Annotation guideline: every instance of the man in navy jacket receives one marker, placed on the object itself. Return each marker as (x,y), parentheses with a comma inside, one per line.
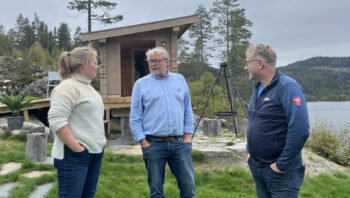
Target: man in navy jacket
(278,126)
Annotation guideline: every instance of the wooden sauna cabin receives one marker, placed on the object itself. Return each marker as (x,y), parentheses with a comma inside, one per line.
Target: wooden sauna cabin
(122,57)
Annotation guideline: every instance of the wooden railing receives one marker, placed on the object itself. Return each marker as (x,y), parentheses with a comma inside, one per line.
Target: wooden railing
(109,103)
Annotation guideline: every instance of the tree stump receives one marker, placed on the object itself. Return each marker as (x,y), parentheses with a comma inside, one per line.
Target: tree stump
(38,129)
(36,147)
(242,126)
(211,127)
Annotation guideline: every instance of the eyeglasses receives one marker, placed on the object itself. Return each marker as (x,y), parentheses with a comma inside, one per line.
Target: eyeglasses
(155,61)
(246,62)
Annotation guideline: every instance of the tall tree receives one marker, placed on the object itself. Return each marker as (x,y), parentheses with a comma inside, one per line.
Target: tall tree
(232,26)
(91,7)
(6,45)
(22,34)
(76,38)
(202,33)
(2,29)
(182,50)
(64,40)
(37,56)
(41,31)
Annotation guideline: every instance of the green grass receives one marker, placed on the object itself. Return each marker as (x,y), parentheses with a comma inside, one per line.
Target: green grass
(125,176)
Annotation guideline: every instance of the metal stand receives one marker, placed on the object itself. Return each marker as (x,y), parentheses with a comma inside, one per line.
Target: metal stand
(223,67)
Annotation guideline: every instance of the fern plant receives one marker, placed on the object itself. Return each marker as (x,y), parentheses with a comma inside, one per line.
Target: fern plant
(15,103)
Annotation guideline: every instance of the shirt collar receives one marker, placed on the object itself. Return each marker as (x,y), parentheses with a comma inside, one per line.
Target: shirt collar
(157,77)
(81,78)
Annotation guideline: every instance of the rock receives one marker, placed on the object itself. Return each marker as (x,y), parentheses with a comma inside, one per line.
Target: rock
(19,131)
(3,121)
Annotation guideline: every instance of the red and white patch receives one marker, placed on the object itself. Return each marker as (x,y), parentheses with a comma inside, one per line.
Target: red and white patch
(297,100)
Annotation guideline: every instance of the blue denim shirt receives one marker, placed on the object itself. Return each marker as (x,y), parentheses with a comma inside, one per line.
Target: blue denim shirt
(160,107)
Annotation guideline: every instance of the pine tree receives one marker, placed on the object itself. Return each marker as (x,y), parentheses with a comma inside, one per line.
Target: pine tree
(64,40)
(232,27)
(2,29)
(91,7)
(182,48)
(6,45)
(41,31)
(76,38)
(202,33)
(22,34)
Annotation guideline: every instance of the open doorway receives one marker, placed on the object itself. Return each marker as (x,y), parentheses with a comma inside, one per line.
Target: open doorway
(141,66)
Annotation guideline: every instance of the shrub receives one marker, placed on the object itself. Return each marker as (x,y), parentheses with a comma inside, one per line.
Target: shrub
(15,103)
(330,144)
(5,134)
(197,156)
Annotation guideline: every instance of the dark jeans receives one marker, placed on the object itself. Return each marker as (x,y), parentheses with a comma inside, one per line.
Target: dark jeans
(270,184)
(78,173)
(178,155)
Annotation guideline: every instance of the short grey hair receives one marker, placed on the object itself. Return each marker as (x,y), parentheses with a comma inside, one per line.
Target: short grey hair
(160,50)
(265,52)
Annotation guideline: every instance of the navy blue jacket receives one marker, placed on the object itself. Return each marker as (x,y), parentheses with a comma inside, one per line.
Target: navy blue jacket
(278,122)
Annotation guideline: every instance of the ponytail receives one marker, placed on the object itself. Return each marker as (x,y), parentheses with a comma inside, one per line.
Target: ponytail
(71,62)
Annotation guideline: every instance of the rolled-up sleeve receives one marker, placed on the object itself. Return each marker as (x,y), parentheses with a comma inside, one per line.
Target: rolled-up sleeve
(60,109)
(136,112)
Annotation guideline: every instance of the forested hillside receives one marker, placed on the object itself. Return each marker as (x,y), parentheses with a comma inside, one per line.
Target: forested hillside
(323,78)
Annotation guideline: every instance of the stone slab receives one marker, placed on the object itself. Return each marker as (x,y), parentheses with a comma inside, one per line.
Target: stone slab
(6,188)
(41,190)
(10,167)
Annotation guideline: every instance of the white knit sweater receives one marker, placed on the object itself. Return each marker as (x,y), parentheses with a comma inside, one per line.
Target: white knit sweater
(74,102)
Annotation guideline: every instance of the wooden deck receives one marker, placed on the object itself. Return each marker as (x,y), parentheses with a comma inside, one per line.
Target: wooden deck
(109,103)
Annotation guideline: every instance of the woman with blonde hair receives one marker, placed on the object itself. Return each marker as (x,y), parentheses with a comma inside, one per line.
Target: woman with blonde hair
(76,118)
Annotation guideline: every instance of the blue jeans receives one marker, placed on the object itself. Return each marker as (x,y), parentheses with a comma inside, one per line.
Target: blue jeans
(78,173)
(270,184)
(179,158)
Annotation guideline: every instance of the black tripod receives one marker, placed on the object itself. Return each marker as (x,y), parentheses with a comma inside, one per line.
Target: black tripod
(223,67)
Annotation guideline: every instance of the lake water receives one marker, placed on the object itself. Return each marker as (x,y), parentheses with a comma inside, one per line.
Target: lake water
(335,113)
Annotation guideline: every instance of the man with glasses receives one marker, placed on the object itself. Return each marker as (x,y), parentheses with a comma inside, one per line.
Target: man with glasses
(161,120)
(278,126)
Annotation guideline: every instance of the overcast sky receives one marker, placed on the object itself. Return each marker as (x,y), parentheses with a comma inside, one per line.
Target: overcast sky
(296,29)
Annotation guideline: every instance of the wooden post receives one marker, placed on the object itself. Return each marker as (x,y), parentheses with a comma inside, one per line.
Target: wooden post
(25,115)
(36,147)
(175,32)
(108,119)
(242,126)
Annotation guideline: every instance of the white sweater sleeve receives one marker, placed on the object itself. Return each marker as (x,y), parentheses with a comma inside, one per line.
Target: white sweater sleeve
(60,110)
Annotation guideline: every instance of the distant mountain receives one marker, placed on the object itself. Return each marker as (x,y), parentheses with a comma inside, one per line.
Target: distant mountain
(323,78)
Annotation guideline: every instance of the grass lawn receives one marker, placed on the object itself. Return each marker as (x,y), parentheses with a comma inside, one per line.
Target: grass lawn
(125,177)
